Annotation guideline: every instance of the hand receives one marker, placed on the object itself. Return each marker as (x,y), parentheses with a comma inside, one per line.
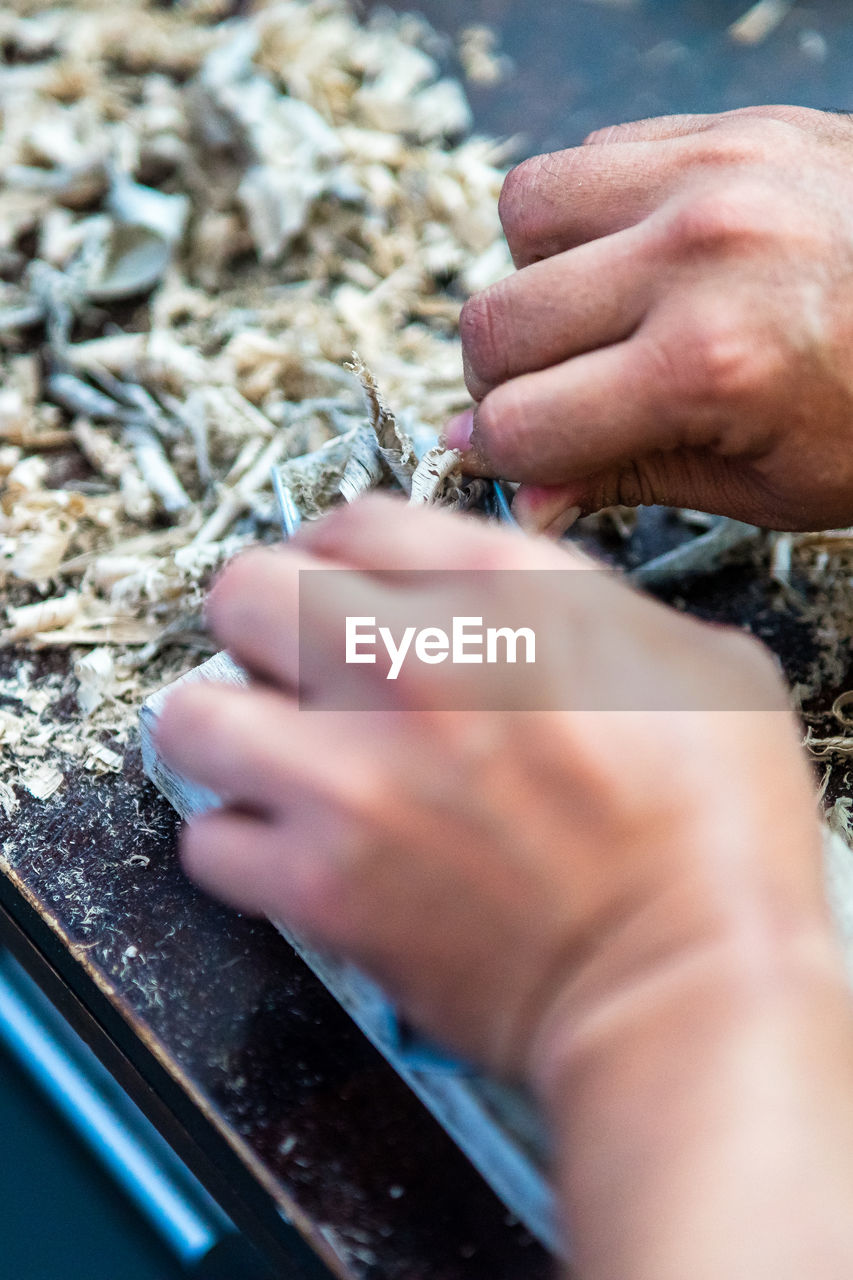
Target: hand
(623,908)
(680,330)
(490,868)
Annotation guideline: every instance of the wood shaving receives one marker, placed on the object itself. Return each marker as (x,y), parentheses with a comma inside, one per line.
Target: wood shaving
(760,21)
(95,672)
(481,61)
(814,573)
(200,220)
(43,780)
(47,615)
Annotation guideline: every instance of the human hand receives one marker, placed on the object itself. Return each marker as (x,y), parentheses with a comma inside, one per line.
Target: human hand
(680,330)
(497,873)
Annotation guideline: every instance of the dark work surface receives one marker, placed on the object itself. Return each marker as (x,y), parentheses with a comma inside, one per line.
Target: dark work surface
(218,1030)
(250,1053)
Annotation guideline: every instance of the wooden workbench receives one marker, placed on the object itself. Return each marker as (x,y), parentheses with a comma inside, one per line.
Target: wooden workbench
(217,1030)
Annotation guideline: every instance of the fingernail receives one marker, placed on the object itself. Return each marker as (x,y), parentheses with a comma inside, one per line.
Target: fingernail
(457,433)
(563,523)
(544,509)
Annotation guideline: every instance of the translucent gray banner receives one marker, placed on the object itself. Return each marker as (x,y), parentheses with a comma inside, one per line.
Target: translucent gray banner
(510,640)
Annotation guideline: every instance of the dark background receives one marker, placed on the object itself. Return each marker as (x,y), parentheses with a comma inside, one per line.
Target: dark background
(579,64)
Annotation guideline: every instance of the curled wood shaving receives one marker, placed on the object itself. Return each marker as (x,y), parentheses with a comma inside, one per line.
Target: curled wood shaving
(47,615)
(43,780)
(395,447)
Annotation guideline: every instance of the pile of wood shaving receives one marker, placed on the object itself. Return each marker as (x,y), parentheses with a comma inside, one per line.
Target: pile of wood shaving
(201,218)
(815,572)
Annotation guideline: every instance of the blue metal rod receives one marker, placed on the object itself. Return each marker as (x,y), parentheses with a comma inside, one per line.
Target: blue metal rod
(288,511)
(189,1233)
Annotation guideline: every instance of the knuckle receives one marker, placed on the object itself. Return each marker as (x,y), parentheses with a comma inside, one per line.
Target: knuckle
(744,138)
(739,214)
(496,428)
(360,791)
(239,582)
(622,132)
(760,132)
(608,133)
(481,328)
(635,485)
(721,361)
(726,145)
(515,194)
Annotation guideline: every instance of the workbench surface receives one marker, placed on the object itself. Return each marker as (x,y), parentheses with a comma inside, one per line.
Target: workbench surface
(217,1029)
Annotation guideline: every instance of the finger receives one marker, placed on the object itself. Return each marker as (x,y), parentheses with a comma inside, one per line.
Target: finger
(694,478)
(590,414)
(291,633)
(589,297)
(233,741)
(262,868)
(661,128)
(652,129)
(238,608)
(253,609)
(257,751)
(556,202)
(235,857)
(546,509)
(403,537)
(281,614)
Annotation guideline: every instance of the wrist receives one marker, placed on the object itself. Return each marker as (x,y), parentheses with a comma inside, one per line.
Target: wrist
(733,903)
(696,1102)
(707,986)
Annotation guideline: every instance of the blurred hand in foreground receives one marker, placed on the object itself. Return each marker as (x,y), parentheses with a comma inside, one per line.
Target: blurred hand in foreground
(623,909)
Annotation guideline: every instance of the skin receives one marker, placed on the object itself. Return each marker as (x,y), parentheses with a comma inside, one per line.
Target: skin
(651,953)
(679,330)
(655,961)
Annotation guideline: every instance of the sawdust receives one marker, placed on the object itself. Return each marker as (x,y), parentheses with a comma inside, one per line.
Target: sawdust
(202,216)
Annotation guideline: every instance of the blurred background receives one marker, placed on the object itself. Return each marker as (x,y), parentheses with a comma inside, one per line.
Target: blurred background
(581,64)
